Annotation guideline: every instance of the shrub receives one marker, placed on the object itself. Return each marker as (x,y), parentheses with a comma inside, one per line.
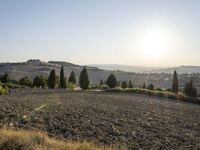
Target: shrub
(175,83)
(39,81)
(3,90)
(158,89)
(189,90)
(11,85)
(150,87)
(27,81)
(62,80)
(83,79)
(194,92)
(124,84)
(111,81)
(169,89)
(52,79)
(130,85)
(71,86)
(72,78)
(5,78)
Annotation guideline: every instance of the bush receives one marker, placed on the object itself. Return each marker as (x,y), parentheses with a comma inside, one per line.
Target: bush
(71,86)
(39,81)
(83,79)
(5,78)
(11,85)
(111,81)
(96,87)
(3,90)
(124,85)
(158,89)
(194,92)
(189,90)
(150,87)
(27,81)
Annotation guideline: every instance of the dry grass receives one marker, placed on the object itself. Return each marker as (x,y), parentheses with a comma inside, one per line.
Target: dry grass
(32,140)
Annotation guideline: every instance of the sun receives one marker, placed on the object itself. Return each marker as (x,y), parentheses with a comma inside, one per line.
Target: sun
(154,43)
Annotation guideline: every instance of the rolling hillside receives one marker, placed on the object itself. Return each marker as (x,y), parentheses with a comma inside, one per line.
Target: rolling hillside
(36,67)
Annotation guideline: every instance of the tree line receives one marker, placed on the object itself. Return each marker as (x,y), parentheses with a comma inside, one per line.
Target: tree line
(54,81)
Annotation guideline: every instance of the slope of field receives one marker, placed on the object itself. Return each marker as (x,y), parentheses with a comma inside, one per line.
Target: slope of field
(130,120)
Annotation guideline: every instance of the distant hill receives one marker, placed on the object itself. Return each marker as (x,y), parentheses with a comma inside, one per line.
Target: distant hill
(138,69)
(127,68)
(180,70)
(96,73)
(36,67)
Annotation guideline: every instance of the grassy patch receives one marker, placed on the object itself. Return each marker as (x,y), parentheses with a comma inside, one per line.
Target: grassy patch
(164,94)
(11,85)
(31,140)
(3,90)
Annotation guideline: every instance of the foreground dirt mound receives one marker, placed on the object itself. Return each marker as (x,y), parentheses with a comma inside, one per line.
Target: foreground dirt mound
(124,120)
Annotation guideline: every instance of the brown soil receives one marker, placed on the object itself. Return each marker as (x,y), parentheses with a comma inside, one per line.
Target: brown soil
(131,120)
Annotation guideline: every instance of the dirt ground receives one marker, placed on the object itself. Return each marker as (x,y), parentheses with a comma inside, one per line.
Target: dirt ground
(129,120)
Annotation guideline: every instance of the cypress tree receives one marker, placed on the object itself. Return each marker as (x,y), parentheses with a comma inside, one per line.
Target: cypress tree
(52,79)
(62,82)
(130,84)
(175,83)
(124,84)
(111,81)
(72,78)
(144,86)
(101,82)
(83,79)
(65,82)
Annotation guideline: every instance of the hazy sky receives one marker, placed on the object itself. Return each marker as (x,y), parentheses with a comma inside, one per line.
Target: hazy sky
(132,32)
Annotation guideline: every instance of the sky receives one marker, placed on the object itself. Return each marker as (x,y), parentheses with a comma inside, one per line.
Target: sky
(133,32)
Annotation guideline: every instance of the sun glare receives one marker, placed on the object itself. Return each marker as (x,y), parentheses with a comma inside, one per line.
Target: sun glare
(155,43)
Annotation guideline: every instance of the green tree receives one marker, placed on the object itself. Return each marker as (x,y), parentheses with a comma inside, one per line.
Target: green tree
(5,78)
(72,78)
(130,84)
(65,82)
(52,79)
(83,79)
(144,86)
(111,81)
(189,90)
(124,84)
(101,82)
(175,83)
(39,81)
(62,82)
(27,81)
(150,87)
